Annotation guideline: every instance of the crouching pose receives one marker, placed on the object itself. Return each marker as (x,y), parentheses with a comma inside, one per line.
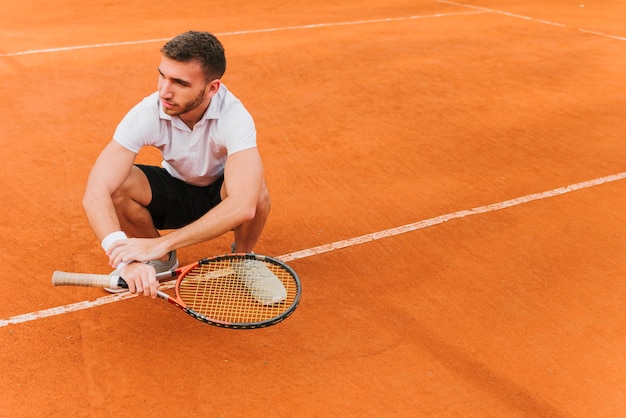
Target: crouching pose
(210,181)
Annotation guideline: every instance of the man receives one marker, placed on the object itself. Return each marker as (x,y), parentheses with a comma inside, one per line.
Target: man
(211,180)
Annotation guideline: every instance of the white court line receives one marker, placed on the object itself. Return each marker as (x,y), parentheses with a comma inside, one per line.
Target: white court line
(241,32)
(488,10)
(546,22)
(338,245)
(593,32)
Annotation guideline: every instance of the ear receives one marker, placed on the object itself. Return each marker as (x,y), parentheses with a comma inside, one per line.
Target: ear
(213,87)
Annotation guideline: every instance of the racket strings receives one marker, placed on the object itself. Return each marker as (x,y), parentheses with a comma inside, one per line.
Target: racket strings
(221,291)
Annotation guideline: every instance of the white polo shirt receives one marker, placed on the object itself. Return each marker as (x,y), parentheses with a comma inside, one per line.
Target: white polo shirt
(194,156)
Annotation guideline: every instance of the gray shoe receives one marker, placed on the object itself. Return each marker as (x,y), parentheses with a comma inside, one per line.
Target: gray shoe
(159,267)
(266,288)
(162,266)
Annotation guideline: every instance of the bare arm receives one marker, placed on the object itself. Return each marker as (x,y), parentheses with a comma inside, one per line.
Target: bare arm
(108,173)
(243,179)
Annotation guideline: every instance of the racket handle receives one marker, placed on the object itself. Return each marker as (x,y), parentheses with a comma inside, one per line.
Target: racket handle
(64,278)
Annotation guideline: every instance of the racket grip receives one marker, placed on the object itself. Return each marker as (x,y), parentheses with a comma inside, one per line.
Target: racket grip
(64,278)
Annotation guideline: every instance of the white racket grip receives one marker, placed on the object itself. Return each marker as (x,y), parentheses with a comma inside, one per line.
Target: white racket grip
(64,278)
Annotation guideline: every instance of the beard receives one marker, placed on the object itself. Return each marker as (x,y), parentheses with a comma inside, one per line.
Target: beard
(187,106)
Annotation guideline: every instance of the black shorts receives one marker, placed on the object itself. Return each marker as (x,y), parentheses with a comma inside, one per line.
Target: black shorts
(175,203)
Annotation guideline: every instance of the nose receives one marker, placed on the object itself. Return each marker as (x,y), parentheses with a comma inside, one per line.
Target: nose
(165,90)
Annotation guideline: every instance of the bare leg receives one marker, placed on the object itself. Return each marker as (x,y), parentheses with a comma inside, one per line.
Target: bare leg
(130,202)
(248,233)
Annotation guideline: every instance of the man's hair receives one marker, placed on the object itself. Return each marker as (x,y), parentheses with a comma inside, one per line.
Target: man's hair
(201,46)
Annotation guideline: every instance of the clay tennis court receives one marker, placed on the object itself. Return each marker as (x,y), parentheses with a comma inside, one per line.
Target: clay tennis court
(448,179)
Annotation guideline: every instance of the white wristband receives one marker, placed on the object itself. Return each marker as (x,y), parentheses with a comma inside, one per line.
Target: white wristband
(111,238)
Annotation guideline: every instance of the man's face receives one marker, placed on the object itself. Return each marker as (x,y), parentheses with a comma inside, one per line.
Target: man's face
(182,87)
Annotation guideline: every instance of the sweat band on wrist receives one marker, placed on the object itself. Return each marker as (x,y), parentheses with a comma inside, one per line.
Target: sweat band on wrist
(111,238)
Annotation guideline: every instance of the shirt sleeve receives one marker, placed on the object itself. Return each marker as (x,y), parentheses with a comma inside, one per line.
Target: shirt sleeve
(137,128)
(238,129)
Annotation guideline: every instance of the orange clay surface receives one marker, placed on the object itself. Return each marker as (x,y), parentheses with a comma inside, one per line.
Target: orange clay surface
(371,116)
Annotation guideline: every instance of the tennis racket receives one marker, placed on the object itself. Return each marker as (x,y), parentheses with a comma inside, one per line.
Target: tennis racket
(240,291)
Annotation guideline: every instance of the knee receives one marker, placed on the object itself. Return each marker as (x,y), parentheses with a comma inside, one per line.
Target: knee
(120,197)
(265,202)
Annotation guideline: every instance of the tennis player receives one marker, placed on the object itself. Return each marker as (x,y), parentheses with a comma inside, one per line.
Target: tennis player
(210,181)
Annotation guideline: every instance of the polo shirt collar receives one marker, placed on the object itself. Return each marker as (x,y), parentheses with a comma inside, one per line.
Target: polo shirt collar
(212,112)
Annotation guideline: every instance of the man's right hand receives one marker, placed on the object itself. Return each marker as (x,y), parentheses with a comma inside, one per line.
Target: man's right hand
(141,278)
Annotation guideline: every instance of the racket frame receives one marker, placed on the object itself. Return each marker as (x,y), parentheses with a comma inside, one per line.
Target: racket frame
(178,302)
(98,280)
